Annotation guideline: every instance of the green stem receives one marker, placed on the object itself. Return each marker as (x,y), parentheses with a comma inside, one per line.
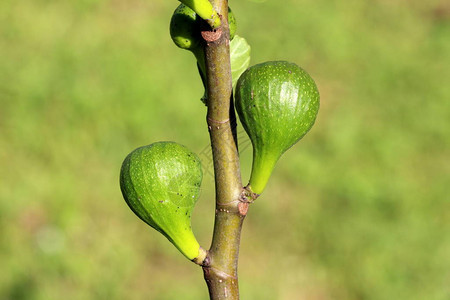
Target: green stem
(220,265)
(262,167)
(204,9)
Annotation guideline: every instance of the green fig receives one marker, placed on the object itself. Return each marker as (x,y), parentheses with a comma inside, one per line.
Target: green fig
(161,184)
(185,31)
(185,27)
(232,23)
(277,103)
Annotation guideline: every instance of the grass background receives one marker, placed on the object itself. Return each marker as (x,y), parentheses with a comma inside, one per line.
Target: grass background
(358,210)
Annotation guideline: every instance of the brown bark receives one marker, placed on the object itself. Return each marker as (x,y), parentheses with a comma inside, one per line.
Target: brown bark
(220,266)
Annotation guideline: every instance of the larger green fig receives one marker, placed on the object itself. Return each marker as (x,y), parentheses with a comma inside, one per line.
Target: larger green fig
(161,184)
(277,103)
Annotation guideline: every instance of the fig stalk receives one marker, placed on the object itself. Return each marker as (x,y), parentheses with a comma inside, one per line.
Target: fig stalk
(205,10)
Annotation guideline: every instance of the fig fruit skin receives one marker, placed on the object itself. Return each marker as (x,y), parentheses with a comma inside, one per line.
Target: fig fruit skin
(277,103)
(185,28)
(161,184)
(232,25)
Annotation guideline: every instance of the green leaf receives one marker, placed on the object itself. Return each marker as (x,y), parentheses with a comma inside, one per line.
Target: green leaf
(240,57)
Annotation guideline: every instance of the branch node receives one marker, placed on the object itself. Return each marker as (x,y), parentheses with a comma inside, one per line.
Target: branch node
(211,35)
(243,208)
(202,257)
(247,195)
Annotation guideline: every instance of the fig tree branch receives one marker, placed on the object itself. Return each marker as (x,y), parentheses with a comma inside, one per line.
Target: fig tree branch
(220,265)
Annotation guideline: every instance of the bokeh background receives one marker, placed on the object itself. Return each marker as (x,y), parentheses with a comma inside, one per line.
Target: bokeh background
(359,209)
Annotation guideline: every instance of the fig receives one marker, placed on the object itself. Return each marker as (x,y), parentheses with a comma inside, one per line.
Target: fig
(185,27)
(277,103)
(231,23)
(161,184)
(185,31)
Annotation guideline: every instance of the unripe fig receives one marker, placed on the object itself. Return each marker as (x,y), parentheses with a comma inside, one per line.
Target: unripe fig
(277,103)
(185,31)
(231,23)
(161,184)
(185,28)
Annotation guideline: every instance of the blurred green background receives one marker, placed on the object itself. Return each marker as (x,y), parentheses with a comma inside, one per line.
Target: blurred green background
(358,210)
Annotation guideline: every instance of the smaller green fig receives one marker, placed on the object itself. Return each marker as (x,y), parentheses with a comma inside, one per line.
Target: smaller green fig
(185,31)
(185,26)
(277,103)
(232,23)
(161,184)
